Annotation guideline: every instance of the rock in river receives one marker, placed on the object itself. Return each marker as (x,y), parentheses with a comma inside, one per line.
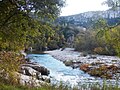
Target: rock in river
(35,71)
(37,67)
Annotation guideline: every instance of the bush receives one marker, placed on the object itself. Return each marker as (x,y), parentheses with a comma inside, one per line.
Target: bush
(86,41)
(99,50)
(9,64)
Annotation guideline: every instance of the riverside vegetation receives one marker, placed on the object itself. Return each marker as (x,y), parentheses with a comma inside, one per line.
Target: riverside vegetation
(25,24)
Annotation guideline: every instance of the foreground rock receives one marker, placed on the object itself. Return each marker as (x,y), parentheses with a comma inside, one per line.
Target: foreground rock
(95,65)
(35,67)
(33,74)
(30,80)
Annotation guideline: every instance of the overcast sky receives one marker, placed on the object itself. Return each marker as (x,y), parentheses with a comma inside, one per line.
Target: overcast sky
(80,6)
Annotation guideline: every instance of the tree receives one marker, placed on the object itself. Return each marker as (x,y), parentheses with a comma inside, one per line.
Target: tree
(115,6)
(86,41)
(113,39)
(21,19)
(108,37)
(112,3)
(112,34)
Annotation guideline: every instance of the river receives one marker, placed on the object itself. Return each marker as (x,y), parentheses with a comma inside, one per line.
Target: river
(59,72)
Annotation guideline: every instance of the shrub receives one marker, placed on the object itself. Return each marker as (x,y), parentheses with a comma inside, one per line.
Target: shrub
(9,64)
(99,50)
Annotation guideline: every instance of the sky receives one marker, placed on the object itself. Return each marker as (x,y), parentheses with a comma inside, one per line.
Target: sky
(79,6)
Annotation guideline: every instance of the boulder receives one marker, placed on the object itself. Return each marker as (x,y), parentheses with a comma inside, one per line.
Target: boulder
(46,78)
(68,63)
(43,78)
(41,69)
(35,71)
(84,67)
(28,71)
(29,80)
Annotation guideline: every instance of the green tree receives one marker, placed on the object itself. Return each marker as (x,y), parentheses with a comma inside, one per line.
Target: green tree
(112,33)
(86,41)
(113,38)
(20,21)
(108,37)
(112,3)
(23,18)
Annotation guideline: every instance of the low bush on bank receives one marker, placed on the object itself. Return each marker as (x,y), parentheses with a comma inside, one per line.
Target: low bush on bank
(9,65)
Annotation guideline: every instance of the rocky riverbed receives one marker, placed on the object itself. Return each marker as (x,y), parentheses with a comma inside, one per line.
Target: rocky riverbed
(33,74)
(96,65)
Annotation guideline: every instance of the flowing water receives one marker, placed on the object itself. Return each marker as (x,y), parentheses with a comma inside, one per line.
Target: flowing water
(59,72)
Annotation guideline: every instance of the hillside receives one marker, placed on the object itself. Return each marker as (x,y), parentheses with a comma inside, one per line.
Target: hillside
(88,18)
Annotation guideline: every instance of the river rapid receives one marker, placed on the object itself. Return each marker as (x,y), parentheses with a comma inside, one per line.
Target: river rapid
(61,73)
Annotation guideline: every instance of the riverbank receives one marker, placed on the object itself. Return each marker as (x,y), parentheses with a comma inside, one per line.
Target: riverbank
(34,76)
(96,65)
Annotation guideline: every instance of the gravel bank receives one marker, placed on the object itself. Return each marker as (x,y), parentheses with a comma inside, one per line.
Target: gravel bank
(88,63)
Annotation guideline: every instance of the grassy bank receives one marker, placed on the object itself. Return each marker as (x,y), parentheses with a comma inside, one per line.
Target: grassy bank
(61,87)
(45,87)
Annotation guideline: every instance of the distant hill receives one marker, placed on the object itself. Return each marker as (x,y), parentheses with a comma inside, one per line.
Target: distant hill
(86,19)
